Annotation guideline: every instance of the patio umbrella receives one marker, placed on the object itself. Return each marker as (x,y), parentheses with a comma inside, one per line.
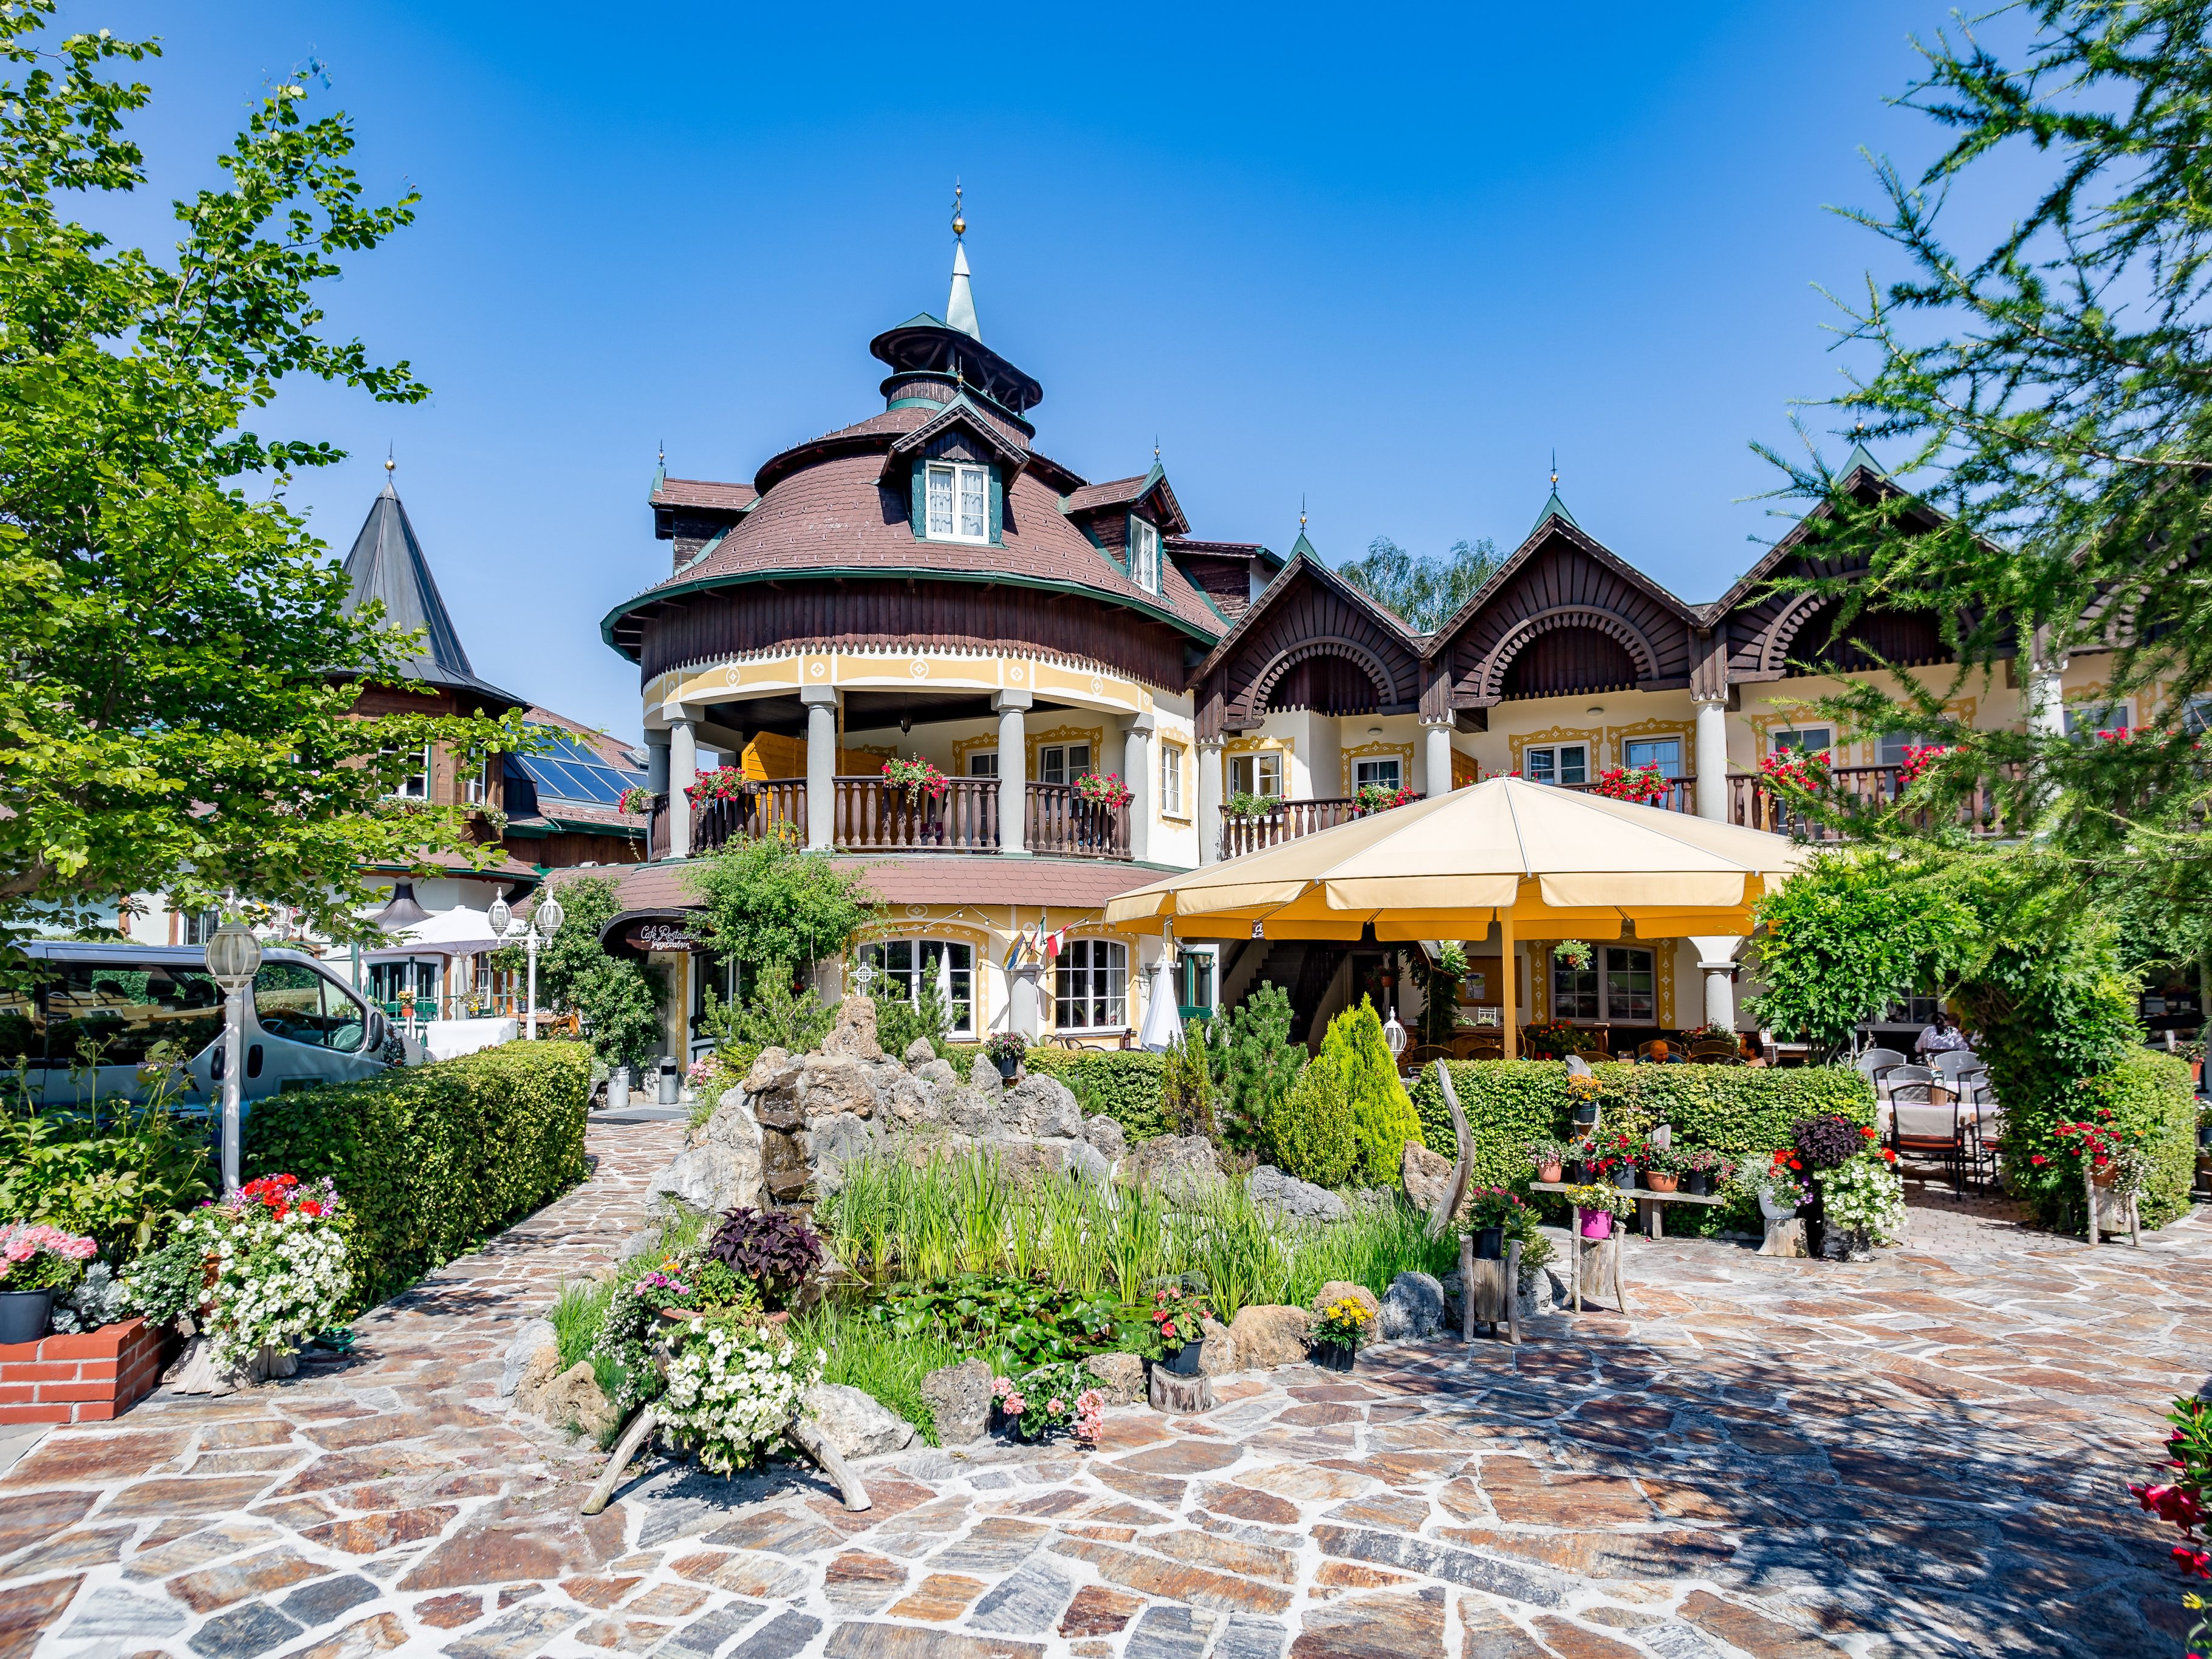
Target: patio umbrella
(1540,862)
(460,931)
(1162,1018)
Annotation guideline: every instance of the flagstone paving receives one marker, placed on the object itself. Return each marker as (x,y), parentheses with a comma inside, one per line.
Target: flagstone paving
(1924,1454)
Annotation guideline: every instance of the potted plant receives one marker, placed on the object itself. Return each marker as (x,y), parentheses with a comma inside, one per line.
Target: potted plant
(1615,1158)
(1595,1207)
(1104,787)
(916,777)
(35,1263)
(1370,798)
(1704,1170)
(1337,1330)
(1494,1212)
(1663,1167)
(1548,1159)
(1549,1039)
(1179,1319)
(1581,1088)
(1004,1050)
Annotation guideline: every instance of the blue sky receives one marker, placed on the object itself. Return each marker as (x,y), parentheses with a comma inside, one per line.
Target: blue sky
(1387,260)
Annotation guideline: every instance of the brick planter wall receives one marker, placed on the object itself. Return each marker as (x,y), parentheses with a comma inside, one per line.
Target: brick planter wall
(87,1378)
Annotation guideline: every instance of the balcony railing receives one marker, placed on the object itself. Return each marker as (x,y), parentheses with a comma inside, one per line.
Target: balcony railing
(1681,794)
(1284,820)
(1870,788)
(871,816)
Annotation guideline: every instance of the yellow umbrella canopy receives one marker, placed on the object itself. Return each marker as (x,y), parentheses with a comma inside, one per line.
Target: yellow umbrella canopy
(1542,862)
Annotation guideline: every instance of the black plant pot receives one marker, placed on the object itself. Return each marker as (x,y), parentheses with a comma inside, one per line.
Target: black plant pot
(1624,1179)
(1697,1184)
(1008,1065)
(1490,1244)
(1183,1361)
(1586,1112)
(1331,1358)
(24,1314)
(1576,1172)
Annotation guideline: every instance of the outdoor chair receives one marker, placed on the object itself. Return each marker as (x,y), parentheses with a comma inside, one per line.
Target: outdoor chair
(1870,1063)
(1421,1055)
(1925,1117)
(1948,1063)
(1984,1128)
(1484,1047)
(1715,1051)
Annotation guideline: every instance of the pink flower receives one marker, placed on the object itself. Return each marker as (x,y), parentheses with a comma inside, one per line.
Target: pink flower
(21,1249)
(1000,1388)
(1016,1405)
(1091,1401)
(1055,1405)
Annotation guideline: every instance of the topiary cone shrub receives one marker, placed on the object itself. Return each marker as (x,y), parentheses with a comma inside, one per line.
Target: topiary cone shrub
(1382,1117)
(1311,1130)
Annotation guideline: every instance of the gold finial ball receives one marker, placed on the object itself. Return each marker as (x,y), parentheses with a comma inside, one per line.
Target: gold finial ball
(959,226)
(389,463)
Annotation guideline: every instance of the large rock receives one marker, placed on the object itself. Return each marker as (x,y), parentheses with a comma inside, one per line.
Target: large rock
(853,1036)
(918,1053)
(1120,1377)
(1177,1166)
(772,1089)
(905,1102)
(831,1142)
(1413,1308)
(1426,1175)
(722,1169)
(535,1336)
(856,1423)
(974,1110)
(938,1074)
(1266,1337)
(1081,1157)
(1106,1134)
(1217,1352)
(539,1369)
(573,1399)
(959,1396)
(1288,1195)
(1040,1106)
(830,1083)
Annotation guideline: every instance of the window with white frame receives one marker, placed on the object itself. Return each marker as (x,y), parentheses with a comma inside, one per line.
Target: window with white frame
(2086,719)
(480,781)
(1090,986)
(1896,746)
(1802,739)
(1259,773)
(958,503)
(1063,763)
(1143,555)
(1620,987)
(1386,770)
(983,763)
(1556,762)
(1665,753)
(2197,716)
(1171,780)
(415,783)
(907,965)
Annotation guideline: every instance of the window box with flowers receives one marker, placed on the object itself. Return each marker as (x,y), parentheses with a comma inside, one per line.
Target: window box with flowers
(637,799)
(1644,785)
(1370,798)
(1104,788)
(1803,770)
(723,783)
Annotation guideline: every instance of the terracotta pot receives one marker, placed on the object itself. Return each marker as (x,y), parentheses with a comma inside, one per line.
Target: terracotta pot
(1547,1172)
(2103,1177)
(1660,1183)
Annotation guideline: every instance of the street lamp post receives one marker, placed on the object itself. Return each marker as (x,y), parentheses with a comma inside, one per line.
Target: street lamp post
(547,917)
(233,958)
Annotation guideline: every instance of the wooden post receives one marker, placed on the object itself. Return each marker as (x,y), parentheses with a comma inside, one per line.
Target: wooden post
(1505,957)
(2089,1186)
(1575,1232)
(1513,1292)
(1466,1287)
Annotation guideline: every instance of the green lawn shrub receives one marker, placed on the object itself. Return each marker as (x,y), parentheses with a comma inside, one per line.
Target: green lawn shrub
(2150,1096)
(1383,1118)
(1733,1109)
(1309,1132)
(432,1159)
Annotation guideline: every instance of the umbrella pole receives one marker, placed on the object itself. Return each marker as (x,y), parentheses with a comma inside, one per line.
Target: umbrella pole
(1505,961)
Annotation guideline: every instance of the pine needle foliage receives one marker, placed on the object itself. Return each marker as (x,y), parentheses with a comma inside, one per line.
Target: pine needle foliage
(1382,1115)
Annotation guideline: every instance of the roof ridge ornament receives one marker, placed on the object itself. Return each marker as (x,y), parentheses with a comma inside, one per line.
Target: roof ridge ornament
(960,306)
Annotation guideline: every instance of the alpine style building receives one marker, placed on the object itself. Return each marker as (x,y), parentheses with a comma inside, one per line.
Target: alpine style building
(925,583)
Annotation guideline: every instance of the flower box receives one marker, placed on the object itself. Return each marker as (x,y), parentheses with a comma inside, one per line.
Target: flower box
(92,1376)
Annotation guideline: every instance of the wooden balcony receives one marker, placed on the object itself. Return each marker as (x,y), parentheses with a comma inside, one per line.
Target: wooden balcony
(1284,820)
(1867,789)
(1681,794)
(871,816)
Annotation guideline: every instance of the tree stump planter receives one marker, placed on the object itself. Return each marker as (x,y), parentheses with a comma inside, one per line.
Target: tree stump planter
(1179,1396)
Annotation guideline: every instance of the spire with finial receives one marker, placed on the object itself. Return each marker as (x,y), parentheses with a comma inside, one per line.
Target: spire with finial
(1554,507)
(960,309)
(389,463)
(1302,545)
(1861,456)
(660,467)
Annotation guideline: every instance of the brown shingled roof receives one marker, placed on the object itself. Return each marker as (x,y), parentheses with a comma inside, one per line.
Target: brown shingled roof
(704,492)
(1110,493)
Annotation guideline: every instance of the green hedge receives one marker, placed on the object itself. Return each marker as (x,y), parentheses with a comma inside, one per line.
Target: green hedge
(1733,1109)
(432,1159)
(2150,1094)
(1122,1082)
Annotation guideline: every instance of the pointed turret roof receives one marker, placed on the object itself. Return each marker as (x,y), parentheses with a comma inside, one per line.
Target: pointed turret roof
(386,564)
(960,308)
(1554,508)
(1859,458)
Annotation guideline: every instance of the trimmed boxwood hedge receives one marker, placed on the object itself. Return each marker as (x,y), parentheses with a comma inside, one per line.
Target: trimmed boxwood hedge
(2150,1094)
(1122,1082)
(432,1159)
(1733,1109)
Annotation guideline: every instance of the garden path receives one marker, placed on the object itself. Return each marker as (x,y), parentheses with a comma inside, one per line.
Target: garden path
(1925,1454)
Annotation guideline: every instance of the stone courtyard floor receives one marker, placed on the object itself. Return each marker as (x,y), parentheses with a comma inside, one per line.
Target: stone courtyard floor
(1925,1454)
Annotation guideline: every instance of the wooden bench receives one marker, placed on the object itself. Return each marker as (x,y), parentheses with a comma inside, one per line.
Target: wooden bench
(1647,1205)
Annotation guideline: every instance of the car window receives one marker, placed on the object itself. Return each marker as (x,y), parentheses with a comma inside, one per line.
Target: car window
(112,1013)
(295,1002)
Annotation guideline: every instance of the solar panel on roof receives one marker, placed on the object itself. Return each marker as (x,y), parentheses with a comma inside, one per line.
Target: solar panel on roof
(568,770)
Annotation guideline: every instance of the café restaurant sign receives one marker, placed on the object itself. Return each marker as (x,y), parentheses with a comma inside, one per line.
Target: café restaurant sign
(657,935)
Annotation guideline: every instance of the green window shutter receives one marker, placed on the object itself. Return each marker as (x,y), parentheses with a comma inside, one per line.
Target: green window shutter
(917,499)
(998,509)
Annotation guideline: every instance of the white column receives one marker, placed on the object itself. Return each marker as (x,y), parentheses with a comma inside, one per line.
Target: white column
(683,772)
(1435,758)
(1144,784)
(1014,771)
(1208,784)
(821,701)
(2043,701)
(1710,757)
(1716,955)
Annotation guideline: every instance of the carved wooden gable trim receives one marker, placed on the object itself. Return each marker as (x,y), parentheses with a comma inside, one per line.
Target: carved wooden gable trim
(1304,616)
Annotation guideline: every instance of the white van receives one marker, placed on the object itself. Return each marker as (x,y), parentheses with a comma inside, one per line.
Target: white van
(80,1033)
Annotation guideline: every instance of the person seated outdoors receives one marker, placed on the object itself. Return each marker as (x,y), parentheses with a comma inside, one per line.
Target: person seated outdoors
(1662,1054)
(1940,1035)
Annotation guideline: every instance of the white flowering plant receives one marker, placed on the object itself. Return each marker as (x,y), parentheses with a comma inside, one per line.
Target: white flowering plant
(733,1388)
(276,1265)
(1865,1191)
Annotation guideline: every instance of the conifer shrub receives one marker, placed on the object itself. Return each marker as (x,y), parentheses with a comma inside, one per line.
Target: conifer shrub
(1382,1117)
(1310,1129)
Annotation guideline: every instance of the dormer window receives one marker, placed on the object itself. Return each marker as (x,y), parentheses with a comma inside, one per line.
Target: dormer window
(959,502)
(1144,555)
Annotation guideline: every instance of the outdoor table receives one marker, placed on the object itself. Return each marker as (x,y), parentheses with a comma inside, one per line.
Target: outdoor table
(1647,1204)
